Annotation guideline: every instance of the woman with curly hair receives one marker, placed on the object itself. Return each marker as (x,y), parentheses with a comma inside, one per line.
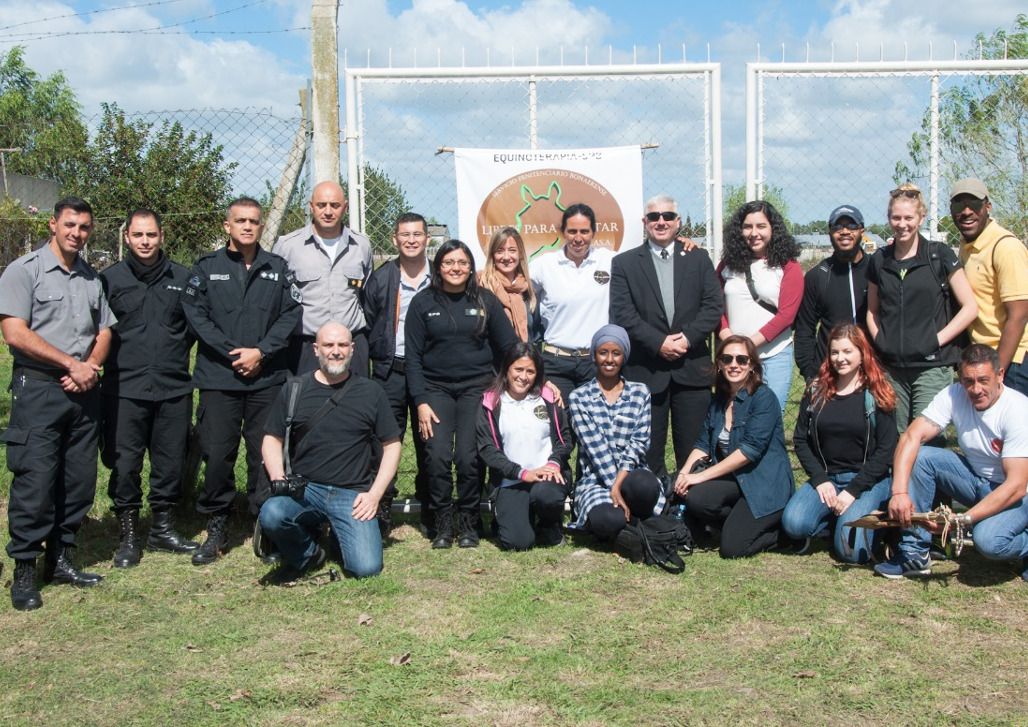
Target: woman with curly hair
(506,275)
(845,437)
(763,286)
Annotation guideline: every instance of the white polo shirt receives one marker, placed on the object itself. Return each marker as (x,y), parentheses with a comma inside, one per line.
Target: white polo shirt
(574,300)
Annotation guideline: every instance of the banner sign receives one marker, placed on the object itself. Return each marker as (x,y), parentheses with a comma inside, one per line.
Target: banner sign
(530,189)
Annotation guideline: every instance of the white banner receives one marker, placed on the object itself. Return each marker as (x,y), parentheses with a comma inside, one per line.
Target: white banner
(530,189)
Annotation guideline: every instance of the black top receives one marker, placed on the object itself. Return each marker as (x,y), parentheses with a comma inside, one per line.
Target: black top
(230,307)
(337,451)
(443,342)
(847,434)
(380,312)
(149,357)
(914,305)
(828,300)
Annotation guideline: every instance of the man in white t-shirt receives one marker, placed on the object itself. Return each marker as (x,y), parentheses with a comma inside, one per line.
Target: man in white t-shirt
(989,477)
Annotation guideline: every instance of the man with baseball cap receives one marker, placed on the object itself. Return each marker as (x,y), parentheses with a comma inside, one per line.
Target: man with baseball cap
(996,263)
(834,291)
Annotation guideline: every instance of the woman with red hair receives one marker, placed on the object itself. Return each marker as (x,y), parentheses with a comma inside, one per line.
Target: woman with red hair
(844,438)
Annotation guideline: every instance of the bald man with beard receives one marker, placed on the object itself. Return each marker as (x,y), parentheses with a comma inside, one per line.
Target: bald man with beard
(331,263)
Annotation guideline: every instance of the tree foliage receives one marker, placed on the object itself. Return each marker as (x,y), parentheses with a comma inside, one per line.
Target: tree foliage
(735,197)
(385,200)
(983,130)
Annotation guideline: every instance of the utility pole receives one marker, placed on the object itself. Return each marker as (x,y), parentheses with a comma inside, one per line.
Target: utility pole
(3,165)
(325,83)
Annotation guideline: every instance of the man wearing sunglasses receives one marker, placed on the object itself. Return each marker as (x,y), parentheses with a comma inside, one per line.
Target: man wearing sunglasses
(834,291)
(996,263)
(669,300)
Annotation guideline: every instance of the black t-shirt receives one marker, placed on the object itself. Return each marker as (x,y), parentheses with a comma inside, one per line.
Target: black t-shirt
(842,432)
(337,451)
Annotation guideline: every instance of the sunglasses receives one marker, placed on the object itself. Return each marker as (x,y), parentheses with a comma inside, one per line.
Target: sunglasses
(844,226)
(666,216)
(974,203)
(727,358)
(912,193)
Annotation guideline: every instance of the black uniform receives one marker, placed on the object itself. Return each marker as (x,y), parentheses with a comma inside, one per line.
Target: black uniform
(229,306)
(146,386)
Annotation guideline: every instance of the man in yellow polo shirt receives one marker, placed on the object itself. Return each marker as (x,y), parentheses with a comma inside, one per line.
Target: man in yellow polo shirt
(996,264)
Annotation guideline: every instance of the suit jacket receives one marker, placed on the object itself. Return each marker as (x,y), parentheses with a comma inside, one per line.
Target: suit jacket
(636,305)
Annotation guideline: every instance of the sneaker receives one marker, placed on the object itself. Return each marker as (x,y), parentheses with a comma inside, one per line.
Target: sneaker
(285,573)
(900,567)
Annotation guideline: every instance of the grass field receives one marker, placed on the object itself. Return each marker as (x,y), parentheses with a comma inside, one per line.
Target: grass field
(564,636)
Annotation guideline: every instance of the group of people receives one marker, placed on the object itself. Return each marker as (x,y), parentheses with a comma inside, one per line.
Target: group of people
(321,362)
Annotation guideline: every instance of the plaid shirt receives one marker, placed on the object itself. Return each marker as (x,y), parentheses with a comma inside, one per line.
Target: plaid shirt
(611,438)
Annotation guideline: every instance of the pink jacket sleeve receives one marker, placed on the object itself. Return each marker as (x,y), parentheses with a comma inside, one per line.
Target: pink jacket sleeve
(789,297)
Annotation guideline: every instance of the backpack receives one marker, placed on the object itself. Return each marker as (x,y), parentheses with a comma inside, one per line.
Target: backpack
(938,267)
(655,541)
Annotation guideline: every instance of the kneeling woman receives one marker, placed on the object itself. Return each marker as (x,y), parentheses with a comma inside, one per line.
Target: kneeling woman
(611,418)
(845,437)
(524,438)
(748,482)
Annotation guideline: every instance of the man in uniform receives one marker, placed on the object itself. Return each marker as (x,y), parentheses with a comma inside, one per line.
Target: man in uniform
(148,395)
(241,304)
(387,296)
(337,421)
(331,263)
(834,290)
(55,319)
(669,301)
(996,263)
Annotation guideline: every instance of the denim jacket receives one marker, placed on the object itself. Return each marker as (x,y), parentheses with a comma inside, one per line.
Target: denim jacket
(766,482)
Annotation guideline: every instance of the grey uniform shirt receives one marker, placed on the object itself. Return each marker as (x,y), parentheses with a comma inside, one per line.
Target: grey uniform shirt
(331,288)
(65,308)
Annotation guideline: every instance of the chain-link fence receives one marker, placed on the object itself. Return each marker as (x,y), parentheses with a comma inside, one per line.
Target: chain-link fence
(401,118)
(825,134)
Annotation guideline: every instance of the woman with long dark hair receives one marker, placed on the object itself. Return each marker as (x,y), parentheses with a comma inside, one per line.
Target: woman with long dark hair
(763,286)
(525,440)
(506,276)
(845,437)
(748,481)
(455,333)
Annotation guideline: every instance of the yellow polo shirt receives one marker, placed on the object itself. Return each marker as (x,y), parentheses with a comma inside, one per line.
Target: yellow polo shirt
(996,265)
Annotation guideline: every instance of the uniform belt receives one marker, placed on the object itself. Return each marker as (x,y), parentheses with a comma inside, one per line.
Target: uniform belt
(566,352)
(37,374)
(399,366)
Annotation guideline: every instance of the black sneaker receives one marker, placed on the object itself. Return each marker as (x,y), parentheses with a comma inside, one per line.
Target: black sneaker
(286,573)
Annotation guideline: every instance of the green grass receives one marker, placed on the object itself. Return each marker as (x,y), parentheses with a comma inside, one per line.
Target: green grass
(566,636)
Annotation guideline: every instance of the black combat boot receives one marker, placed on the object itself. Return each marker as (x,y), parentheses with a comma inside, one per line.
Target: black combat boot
(164,537)
(24,594)
(217,539)
(444,529)
(129,550)
(467,533)
(57,569)
(385,516)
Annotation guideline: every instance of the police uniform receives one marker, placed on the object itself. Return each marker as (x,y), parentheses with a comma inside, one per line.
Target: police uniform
(229,306)
(331,280)
(146,386)
(52,434)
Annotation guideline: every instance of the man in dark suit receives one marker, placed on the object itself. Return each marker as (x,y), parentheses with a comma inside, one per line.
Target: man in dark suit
(669,301)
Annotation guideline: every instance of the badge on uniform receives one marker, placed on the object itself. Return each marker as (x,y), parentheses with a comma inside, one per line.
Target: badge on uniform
(268,275)
(192,285)
(294,293)
(474,312)
(540,412)
(602,277)
(176,288)
(220,276)
(356,283)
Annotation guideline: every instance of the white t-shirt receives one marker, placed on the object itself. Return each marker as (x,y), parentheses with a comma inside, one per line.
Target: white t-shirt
(525,431)
(330,244)
(745,315)
(985,437)
(574,300)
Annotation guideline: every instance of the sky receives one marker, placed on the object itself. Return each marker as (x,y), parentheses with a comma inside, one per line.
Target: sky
(186,54)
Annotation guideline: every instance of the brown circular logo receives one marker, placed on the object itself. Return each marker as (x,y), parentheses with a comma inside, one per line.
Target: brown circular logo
(533,203)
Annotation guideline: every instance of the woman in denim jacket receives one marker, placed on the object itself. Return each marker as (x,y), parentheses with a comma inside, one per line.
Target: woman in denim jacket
(749,481)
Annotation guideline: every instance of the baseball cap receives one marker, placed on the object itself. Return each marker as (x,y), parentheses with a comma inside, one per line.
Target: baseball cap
(846,211)
(970,185)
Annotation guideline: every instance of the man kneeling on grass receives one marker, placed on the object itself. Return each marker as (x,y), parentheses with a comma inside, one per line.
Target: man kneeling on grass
(991,421)
(335,419)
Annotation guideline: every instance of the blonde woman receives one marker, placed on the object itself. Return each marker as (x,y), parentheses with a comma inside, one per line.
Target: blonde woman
(919,303)
(506,276)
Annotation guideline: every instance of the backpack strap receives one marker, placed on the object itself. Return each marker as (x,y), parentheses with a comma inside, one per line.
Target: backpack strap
(295,386)
(773,310)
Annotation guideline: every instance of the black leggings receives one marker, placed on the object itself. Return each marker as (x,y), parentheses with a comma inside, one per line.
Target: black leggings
(529,514)
(641,490)
(721,503)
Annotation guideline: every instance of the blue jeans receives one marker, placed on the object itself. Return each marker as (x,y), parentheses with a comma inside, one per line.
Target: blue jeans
(291,524)
(1016,376)
(1004,536)
(778,374)
(805,516)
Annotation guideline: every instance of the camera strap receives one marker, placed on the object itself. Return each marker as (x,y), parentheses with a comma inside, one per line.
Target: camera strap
(294,393)
(773,310)
(324,409)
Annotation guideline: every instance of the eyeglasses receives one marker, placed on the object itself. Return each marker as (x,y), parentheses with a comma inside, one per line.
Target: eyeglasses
(446,264)
(956,207)
(666,216)
(727,358)
(912,193)
(411,236)
(844,226)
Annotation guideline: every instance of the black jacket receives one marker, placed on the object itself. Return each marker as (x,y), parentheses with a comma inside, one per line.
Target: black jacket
(913,307)
(230,307)
(880,434)
(149,357)
(636,306)
(832,291)
(380,311)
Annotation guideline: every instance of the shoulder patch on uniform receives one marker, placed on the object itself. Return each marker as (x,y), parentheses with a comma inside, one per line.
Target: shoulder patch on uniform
(295,294)
(290,277)
(269,275)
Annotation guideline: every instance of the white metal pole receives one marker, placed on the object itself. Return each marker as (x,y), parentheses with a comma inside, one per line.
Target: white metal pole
(933,155)
(717,180)
(751,131)
(352,153)
(533,114)
(759,181)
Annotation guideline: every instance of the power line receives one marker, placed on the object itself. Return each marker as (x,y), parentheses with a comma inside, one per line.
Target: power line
(90,12)
(27,38)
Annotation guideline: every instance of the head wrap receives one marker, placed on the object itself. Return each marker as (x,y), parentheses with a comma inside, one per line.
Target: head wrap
(611,332)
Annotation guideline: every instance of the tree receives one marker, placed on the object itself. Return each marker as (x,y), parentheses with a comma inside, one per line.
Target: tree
(41,117)
(385,200)
(983,130)
(735,197)
(181,175)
